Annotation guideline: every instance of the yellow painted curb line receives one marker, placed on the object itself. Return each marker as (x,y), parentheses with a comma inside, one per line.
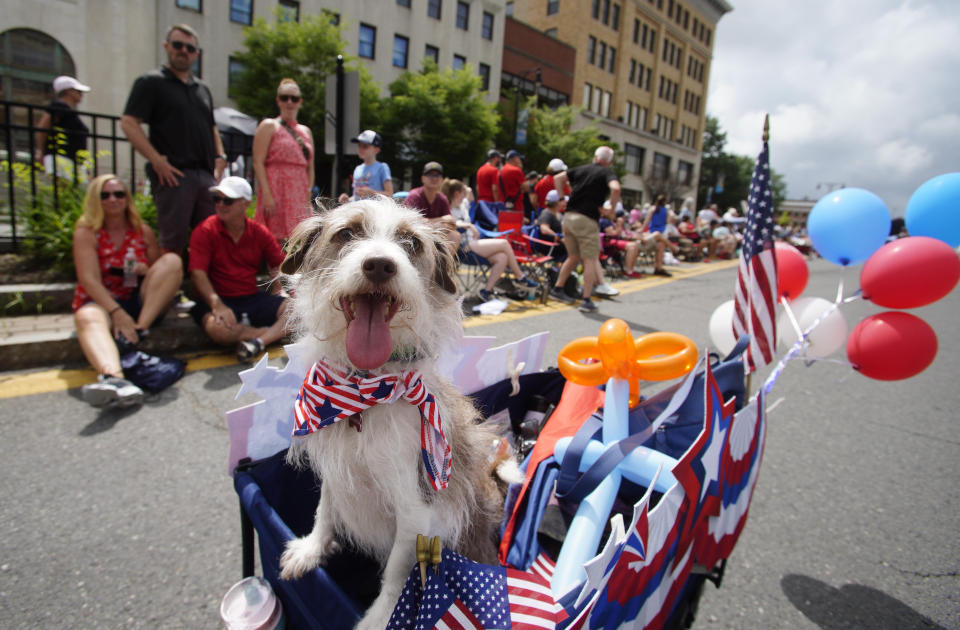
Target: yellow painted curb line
(46,381)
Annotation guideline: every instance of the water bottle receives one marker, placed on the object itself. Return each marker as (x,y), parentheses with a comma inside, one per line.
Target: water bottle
(245,319)
(129,262)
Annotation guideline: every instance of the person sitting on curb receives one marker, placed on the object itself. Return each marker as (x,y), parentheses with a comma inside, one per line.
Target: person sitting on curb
(124,286)
(226,252)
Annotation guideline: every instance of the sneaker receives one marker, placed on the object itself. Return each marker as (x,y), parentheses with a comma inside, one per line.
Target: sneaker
(605,290)
(485,295)
(529,282)
(249,349)
(634,274)
(112,391)
(182,304)
(588,306)
(662,272)
(558,294)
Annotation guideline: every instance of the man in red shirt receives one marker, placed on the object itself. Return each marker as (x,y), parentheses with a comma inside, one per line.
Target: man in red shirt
(488,178)
(514,181)
(226,251)
(545,185)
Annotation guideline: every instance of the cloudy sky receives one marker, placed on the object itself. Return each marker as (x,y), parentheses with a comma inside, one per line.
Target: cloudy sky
(860,92)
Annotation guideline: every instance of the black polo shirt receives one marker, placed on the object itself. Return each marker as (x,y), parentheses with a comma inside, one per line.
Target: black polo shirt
(65,120)
(180,116)
(591,186)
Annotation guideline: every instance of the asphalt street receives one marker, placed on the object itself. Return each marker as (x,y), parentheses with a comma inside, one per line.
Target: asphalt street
(128,519)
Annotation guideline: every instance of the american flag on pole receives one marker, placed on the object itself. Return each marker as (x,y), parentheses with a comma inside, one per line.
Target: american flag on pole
(756,295)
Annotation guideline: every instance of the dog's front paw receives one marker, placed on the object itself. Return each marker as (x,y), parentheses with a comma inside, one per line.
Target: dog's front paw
(302,555)
(378,615)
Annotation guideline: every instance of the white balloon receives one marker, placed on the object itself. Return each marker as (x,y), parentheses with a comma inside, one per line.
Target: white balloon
(721,328)
(823,340)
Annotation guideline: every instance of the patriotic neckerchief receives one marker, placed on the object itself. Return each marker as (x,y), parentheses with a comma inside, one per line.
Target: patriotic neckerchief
(329,395)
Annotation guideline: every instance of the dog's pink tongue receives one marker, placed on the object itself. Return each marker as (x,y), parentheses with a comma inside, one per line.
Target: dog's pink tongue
(368,335)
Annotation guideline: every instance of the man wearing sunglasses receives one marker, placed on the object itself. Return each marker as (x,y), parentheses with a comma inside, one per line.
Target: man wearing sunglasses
(226,252)
(184,150)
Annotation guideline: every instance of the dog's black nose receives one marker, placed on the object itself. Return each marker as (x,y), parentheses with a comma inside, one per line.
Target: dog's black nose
(379,269)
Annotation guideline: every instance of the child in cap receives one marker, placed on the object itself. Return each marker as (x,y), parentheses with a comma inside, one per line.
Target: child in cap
(370,177)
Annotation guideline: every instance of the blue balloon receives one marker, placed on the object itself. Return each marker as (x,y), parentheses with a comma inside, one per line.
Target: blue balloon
(848,225)
(934,209)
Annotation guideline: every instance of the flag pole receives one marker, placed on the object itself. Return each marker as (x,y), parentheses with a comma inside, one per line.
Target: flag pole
(766,138)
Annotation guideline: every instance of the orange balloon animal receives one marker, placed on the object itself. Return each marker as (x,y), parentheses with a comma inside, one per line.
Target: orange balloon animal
(658,356)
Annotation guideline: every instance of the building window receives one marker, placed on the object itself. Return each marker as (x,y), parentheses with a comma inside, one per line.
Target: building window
(642,118)
(661,165)
(553,6)
(289,10)
(616,18)
(484,72)
(684,172)
(595,10)
(463,15)
(636,31)
(234,68)
(602,55)
(241,11)
(401,45)
(432,52)
(193,5)
(633,70)
(433,9)
(613,59)
(459,61)
(333,18)
(634,161)
(404,3)
(508,9)
(591,49)
(587,92)
(367,42)
(597,99)
(605,109)
(486,27)
(551,32)
(196,69)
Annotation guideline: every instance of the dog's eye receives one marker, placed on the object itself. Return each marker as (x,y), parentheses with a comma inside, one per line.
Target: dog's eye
(411,243)
(345,235)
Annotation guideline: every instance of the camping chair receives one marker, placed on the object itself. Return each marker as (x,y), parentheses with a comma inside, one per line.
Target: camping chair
(472,271)
(534,264)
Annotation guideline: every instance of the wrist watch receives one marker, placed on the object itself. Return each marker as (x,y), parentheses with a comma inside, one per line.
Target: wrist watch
(222,156)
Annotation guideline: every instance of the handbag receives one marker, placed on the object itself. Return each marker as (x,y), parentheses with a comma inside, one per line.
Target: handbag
(296,136)
(151,373)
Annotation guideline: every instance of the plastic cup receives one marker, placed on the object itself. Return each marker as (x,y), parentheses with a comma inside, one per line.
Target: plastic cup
(250,604)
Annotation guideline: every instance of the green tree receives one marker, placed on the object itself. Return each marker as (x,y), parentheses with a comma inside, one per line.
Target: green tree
(437,115)
(550,134)
(732,172)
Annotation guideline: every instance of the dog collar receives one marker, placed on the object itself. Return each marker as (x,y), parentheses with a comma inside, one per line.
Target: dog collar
(329,395)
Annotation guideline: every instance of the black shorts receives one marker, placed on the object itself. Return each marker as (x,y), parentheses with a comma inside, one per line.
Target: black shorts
(260,307)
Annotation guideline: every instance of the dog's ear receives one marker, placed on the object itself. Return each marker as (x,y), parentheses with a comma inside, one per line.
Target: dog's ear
(445,270)
(301,239)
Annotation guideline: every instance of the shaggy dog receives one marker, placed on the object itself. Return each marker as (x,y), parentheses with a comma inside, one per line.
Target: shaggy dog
(376,296)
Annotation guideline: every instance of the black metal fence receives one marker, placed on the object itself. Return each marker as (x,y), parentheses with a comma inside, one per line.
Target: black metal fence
(108,151)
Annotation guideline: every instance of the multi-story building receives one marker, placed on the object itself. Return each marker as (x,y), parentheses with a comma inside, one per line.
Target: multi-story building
(641,75)
(108,43)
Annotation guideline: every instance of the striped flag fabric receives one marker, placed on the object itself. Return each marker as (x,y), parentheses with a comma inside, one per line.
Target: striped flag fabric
(755,298)
(467,594)
(329,395)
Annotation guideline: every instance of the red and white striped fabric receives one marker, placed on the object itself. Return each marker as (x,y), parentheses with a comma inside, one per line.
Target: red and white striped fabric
(531,601)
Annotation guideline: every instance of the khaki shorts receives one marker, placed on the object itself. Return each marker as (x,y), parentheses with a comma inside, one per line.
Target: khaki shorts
(581,235)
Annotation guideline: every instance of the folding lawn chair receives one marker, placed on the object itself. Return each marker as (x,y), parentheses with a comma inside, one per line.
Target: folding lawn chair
(534,264)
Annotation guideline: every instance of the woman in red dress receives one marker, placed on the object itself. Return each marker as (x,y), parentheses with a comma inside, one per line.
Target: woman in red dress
(106,308)
(283,164)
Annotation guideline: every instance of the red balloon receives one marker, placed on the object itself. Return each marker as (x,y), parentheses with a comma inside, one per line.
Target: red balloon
(910,272)
(792,272)
(892,345)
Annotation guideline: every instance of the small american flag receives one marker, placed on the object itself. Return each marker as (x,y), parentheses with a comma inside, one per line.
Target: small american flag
(756,294)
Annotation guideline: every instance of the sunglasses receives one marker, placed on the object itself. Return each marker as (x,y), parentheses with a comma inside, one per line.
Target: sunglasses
(117,194)
(293,98)
(178,45)
(227,201)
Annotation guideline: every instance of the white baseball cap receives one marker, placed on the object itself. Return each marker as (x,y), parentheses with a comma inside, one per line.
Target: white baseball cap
(553,196)
(369,136)
(556,165)
(68,83)
(234,187)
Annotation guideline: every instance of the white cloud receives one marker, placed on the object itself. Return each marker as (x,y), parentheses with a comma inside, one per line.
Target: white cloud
(861,92)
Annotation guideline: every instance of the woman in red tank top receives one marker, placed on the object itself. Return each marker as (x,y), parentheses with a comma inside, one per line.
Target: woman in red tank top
(104,308)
